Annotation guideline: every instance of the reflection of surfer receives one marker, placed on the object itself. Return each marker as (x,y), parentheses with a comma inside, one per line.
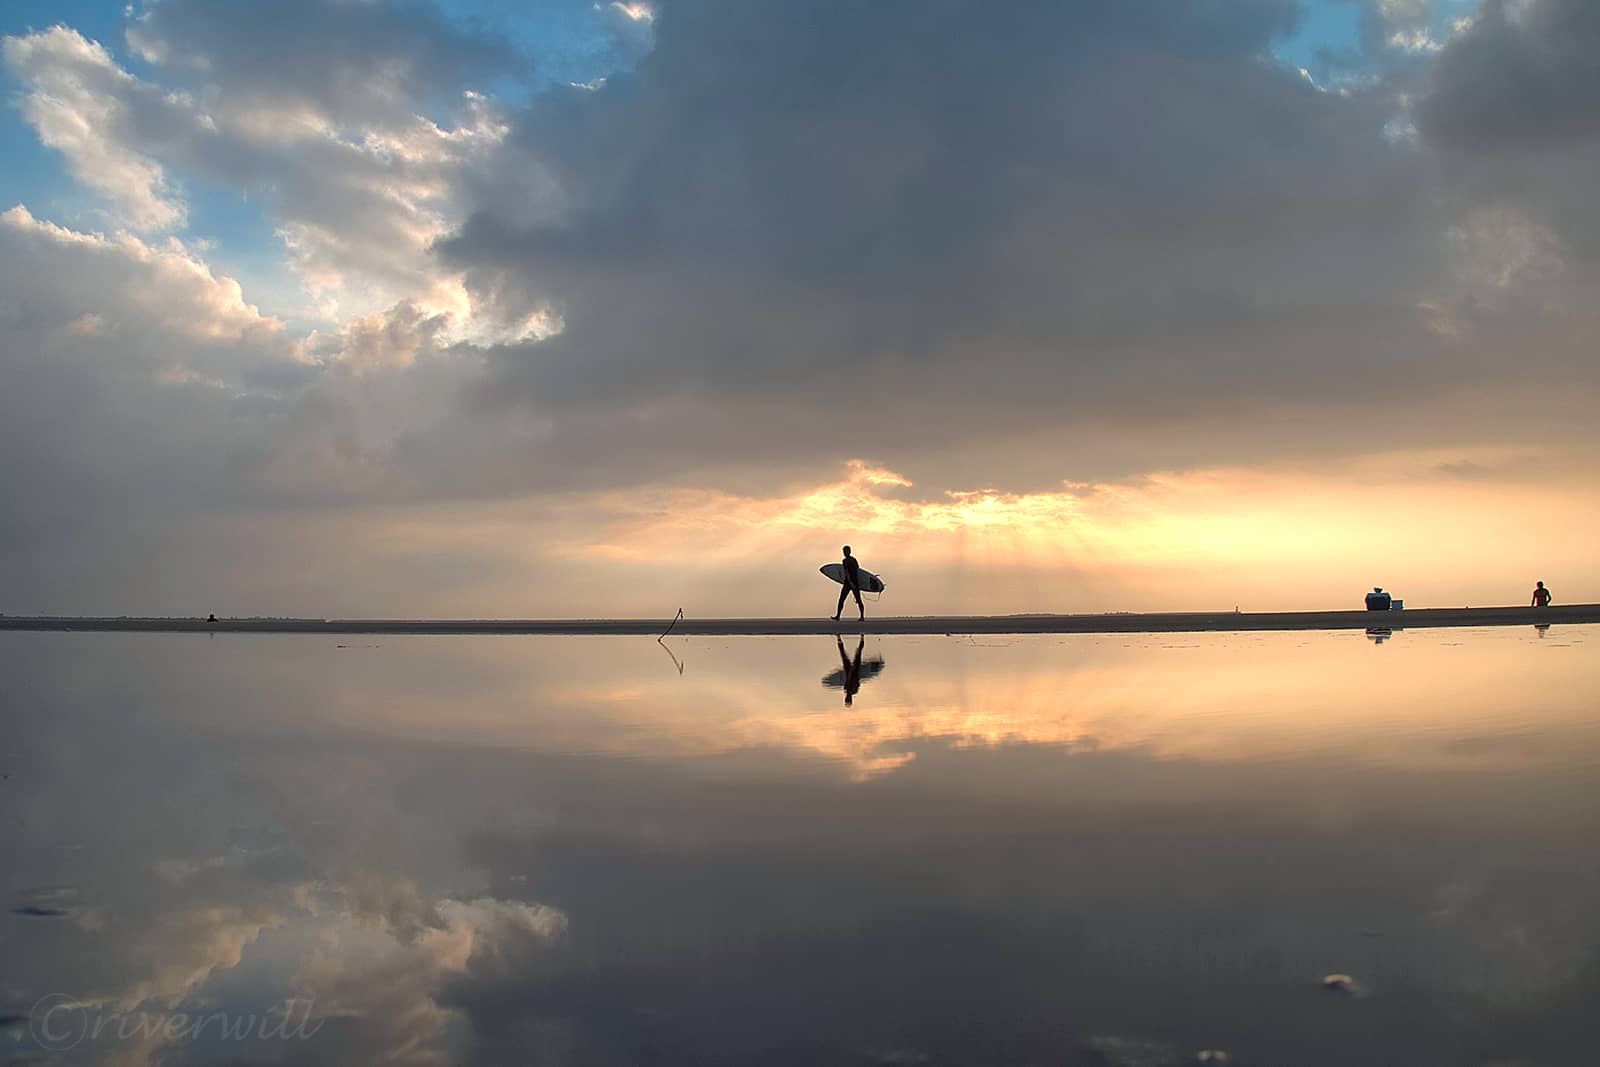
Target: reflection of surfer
(852,584)
(852,669)
(853,672)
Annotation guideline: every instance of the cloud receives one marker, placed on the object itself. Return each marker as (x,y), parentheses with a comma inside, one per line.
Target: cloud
(910,230)
(363,65)
(119,350)
(126,359)
(994,249)
(122,279)
(394,339)
(92,111)
(1067,224)
(356,178)
(1513,104)
(143,388)
(1521,76)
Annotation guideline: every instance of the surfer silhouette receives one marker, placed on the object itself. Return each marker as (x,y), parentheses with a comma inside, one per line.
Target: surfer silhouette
(1541,596)
(851,584)
(852,669)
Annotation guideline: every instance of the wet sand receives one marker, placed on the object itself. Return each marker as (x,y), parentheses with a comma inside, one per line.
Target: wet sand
(1129,622)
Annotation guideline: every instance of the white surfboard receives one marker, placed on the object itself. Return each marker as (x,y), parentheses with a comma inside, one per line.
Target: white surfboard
(870,583)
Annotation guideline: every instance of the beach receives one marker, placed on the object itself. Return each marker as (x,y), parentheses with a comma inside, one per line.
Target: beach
(1120,622)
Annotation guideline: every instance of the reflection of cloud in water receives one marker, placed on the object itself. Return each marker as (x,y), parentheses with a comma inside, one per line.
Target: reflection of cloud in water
(182,950)
(1023,848)
(1229,698)
(380,997)
(372,959)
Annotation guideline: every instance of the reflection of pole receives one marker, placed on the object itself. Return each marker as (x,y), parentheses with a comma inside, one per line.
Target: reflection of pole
(676,662)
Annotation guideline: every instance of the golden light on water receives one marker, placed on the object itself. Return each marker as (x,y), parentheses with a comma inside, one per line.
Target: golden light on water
(1199,698)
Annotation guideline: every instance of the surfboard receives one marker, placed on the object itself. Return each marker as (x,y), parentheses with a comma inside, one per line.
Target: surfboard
(870,583)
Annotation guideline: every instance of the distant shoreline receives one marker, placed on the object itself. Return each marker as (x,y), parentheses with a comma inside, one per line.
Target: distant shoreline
(1131,622)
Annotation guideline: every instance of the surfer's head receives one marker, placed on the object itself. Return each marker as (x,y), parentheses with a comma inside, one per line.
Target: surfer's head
(847,550)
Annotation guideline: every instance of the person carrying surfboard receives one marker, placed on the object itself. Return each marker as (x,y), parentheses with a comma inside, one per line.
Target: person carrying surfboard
(851,584)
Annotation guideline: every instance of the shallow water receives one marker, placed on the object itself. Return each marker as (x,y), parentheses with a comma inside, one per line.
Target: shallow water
(1127,850)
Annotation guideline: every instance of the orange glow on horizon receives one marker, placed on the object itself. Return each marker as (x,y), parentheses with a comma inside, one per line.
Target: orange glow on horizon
(1190,534)
(1266,538)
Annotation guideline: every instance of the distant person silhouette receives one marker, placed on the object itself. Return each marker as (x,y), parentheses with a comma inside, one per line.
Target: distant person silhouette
(1378,600)
(852,669)
(1541,596)
(211,618)
(852,584)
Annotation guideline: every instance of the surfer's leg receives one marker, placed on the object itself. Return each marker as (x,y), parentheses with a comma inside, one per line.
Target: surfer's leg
(859,606)
(844,591)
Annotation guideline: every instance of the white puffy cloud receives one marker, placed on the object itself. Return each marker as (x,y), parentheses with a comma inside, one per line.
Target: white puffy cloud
(163,289)
(141,384)
(358,185)
(96,114)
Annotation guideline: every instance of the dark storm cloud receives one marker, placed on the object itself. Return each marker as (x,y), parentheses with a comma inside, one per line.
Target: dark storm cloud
(1523,76)
(1514,106)
(1085,207)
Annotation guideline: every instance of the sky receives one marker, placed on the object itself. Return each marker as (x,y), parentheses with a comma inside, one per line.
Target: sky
(489,308)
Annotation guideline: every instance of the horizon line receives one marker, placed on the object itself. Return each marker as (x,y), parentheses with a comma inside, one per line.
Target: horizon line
(1017,623)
